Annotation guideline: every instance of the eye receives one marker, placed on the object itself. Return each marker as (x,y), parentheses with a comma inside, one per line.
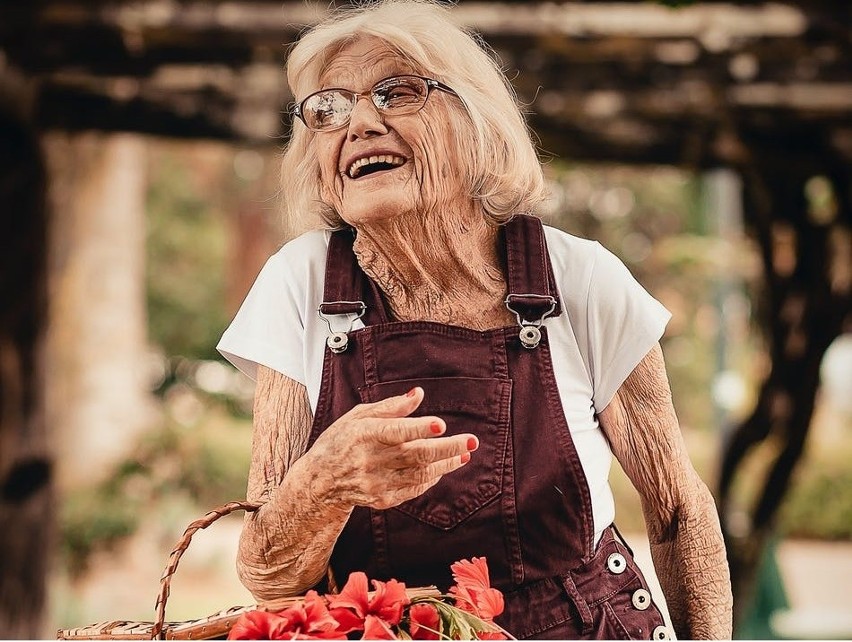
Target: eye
(328,108)
(400,92)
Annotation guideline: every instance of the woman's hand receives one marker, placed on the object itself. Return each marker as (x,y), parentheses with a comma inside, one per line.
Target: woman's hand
(376,455)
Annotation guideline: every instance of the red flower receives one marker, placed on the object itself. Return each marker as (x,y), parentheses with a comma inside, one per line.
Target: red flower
(425,622)
(355,611)
(258,625)
(309,619)
(473,590)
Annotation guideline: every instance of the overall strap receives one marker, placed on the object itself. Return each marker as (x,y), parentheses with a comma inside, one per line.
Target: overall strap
(532,287)
(347,289)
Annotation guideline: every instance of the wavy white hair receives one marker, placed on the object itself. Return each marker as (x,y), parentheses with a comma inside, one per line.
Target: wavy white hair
(498,158)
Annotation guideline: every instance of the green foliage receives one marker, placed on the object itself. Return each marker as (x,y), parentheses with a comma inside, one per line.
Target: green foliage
(819,505)
(186,263)
(94,520)
(206,463)
(653,220)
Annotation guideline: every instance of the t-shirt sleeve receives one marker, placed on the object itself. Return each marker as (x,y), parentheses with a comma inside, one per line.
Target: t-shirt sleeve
(624,323)
(269,327)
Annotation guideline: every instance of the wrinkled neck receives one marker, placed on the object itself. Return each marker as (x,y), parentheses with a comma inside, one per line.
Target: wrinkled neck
(440,266)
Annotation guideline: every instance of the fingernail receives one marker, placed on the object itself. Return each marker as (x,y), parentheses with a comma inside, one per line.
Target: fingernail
(436,428)
(465,457)
(472,443)
(411,392)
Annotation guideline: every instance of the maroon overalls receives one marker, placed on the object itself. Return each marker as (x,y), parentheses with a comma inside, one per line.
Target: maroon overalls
(522,501)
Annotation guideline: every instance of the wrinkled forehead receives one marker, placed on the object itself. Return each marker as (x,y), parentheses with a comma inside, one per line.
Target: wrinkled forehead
(360,64)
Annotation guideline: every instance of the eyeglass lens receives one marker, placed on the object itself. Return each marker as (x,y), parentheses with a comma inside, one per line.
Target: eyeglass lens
(332,108)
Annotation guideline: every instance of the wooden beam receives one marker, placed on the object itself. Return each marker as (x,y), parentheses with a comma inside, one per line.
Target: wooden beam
(604,81)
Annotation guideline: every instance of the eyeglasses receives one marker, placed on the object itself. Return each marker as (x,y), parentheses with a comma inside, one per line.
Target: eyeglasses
(331,109)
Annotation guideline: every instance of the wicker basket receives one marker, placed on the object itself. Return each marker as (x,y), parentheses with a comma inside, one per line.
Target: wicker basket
(206,628)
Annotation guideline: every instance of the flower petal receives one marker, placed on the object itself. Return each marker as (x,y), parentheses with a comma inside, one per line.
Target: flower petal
(465,600)
(388,601)
(376,629)
(472,574)
(250,626)
(259,625)
(317,617)
(347,620)
(489,603)
(353,595)
(425,622)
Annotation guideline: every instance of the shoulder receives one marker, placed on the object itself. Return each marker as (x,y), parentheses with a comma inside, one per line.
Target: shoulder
(308,247)
(585,260)
(567,246)
(572,257)
(300,259)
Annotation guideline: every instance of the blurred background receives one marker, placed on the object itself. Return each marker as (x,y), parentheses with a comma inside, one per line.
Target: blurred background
(707,144)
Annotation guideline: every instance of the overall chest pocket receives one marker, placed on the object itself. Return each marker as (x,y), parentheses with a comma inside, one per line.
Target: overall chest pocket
(467,405)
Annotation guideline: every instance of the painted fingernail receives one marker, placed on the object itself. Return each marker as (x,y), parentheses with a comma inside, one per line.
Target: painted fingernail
(465,457)
(472,443)
(411,392)
(436,428)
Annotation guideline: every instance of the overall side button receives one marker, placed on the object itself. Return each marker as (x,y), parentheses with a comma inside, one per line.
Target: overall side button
(616,563)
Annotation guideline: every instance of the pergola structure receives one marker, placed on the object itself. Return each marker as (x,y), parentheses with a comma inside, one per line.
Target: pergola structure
(763,88)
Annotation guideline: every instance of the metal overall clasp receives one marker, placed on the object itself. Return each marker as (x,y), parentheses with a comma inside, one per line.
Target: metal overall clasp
(337,342)
(530,334)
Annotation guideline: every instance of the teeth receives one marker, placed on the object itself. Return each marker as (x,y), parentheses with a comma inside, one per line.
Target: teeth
(355,168)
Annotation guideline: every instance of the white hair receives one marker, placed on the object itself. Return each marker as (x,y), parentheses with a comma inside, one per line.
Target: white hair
(499,162)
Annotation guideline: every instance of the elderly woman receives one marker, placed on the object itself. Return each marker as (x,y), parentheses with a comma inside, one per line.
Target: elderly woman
(440,376)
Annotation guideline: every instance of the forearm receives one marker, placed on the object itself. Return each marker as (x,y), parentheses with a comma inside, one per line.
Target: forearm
(691,564)
(285,545)
(683,526)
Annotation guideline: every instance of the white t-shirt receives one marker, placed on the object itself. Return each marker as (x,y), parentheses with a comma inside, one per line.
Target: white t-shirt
(609,322)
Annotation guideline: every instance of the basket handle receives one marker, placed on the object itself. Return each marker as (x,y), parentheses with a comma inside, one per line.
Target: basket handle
(180,547)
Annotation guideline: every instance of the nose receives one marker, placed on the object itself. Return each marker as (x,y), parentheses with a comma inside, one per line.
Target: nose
(365,120)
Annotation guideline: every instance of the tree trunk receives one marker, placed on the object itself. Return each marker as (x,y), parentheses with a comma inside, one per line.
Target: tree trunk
(806,306)
(98,402)
(25,466)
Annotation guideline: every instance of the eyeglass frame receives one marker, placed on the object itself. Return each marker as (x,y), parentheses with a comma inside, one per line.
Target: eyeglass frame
(431,84)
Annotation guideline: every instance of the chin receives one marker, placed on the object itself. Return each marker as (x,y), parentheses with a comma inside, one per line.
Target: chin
(376,211)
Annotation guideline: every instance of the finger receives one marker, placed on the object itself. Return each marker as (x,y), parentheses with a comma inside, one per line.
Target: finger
(401,430)
(423,452)
(412,480)
(391,407)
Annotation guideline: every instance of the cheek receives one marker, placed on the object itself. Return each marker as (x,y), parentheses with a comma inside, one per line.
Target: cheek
(437,162)
(330,180)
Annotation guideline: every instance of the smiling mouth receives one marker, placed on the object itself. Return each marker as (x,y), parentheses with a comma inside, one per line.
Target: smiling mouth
(372,164)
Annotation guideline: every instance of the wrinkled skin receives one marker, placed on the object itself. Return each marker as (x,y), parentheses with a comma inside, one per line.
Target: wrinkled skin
(680,515)
(427,246)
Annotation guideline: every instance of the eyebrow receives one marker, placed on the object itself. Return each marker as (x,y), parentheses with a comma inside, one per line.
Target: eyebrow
(388,73)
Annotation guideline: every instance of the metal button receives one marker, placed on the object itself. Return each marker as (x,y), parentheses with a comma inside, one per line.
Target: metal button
(641,599)
(660,633)
(337,342)
(616,563)
(530,336)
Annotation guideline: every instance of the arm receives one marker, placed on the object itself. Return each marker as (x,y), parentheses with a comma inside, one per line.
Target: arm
(375,455)
(284,546)
(683,526)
